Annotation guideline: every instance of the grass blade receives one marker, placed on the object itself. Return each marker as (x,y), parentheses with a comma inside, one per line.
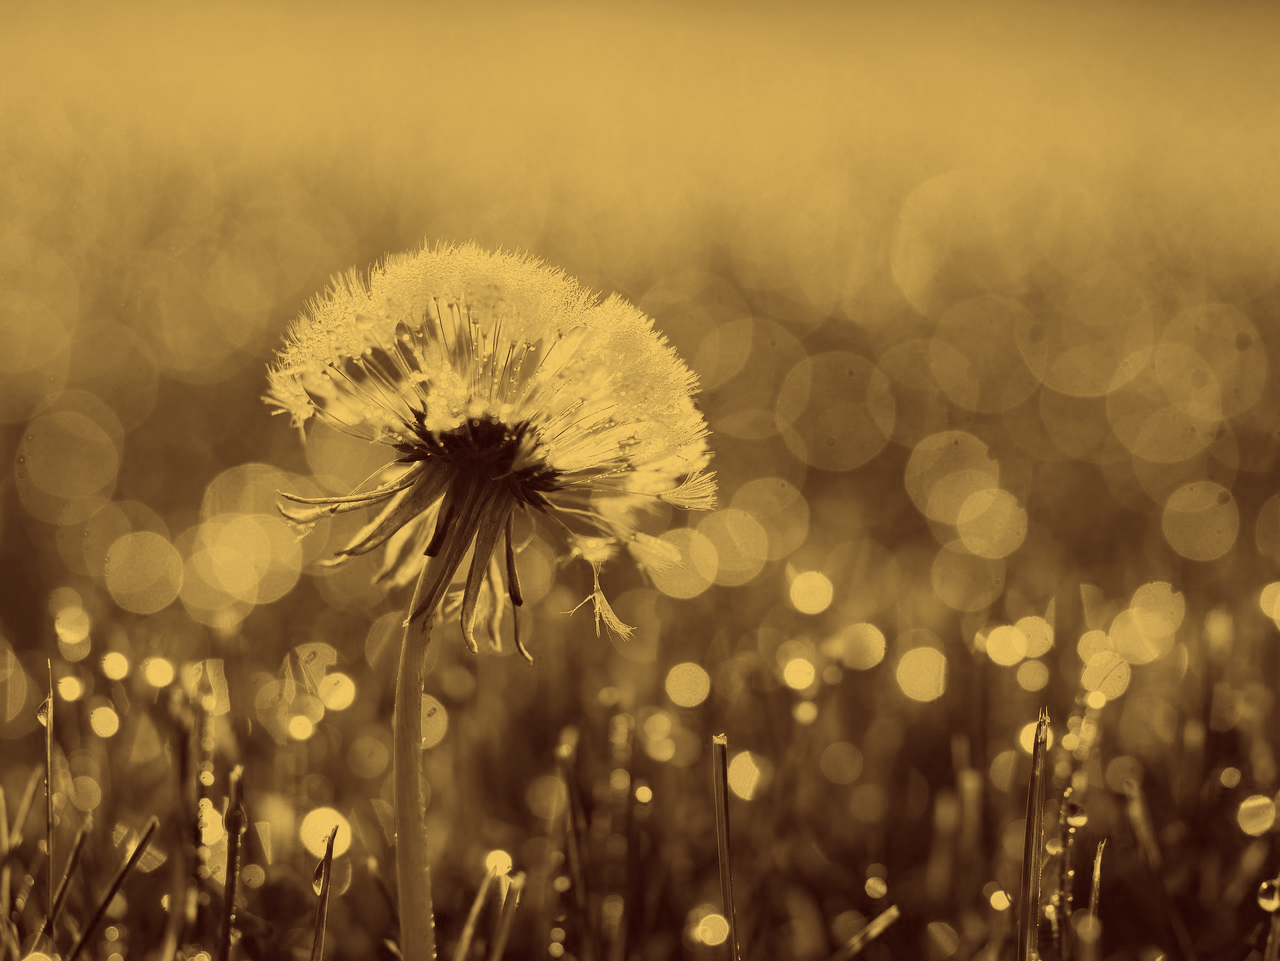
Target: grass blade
(720,784)
(473,916)
(1033,847)
(325,872)
(879,924)
(235,825)
(73,862)
(116,883)
(509,905)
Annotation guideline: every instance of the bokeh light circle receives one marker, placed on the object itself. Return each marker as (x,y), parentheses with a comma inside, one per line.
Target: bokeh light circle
(780,509)
(991,523)
(964,581)
(811,592)
(945,469)
(316,827)
(1201,521)
(697,568)
(922,673)
(740,544)
(688,684)
(1229,346)
(1006,645)
(435,722)
(975,357)
(143,572)
(859,646)
(1256,815)
(835,410)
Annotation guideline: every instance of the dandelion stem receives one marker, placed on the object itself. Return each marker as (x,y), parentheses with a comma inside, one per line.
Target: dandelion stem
(720,783)
(413,870)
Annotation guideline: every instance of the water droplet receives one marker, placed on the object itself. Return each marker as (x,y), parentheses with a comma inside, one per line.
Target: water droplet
(1269,895)
(1076,815)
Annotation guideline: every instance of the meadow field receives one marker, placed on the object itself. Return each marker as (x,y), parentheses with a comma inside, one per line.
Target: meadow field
(983,302)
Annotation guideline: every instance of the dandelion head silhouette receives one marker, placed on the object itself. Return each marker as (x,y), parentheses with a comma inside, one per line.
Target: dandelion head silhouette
(498,385)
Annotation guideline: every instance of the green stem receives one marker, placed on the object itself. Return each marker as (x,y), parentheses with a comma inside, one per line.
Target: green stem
(413,868)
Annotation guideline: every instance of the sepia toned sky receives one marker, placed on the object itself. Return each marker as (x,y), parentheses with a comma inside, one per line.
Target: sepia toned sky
(663,129)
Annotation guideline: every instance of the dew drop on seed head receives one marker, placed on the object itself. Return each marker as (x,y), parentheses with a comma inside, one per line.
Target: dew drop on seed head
(1269,895)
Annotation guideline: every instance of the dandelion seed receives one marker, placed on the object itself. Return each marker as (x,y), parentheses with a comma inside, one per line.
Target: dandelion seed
(500,388)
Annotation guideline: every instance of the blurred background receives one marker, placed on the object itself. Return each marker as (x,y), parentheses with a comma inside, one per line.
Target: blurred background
(983,302)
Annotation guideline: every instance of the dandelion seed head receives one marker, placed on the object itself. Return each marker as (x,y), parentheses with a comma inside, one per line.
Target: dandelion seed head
(499,386)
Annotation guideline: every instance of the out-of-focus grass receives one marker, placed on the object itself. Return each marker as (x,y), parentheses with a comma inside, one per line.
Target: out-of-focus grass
(984,305)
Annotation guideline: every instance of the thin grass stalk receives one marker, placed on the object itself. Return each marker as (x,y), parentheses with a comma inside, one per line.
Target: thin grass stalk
(879,924)
(509,905)
(413,869)
(1033,847)
(473,916)
(1272,950)
(73,862)
(235,830)
(116,884)
(720,786)
(322,909)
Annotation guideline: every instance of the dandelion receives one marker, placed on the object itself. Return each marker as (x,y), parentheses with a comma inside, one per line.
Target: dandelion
(501,389)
